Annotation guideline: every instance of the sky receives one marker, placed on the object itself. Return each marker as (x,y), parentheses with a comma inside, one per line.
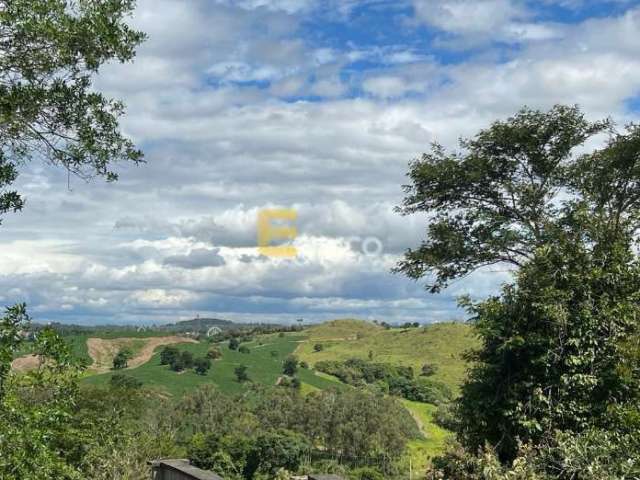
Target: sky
(309,105)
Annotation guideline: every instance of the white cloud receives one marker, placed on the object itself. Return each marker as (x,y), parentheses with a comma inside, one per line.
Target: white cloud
(177,236)
(468,16)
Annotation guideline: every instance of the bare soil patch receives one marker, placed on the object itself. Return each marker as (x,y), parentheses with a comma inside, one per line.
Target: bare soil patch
(103,350)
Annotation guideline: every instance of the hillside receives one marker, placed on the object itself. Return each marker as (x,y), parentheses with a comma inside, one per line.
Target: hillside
(439,344)
(264,364)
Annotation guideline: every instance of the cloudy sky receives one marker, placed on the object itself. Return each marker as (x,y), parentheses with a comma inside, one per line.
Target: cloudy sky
(314,105)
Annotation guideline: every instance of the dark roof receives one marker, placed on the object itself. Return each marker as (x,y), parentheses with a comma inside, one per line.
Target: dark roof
(183,466)
(324,477)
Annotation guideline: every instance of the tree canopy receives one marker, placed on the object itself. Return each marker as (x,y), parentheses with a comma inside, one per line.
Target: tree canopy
(511,186)
(558,370)
(50,51)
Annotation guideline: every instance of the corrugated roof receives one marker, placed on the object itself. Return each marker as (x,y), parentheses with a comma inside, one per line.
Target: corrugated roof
(185,467)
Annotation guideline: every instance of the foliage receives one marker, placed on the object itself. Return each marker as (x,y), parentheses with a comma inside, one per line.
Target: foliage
(591,455)
(428,370)
(394,379)
(234,343)
(558,361)
(168,355)
(318,347)
(244,349)
(491,204)
(202,365)
(290,365)
(241,373)
(366,473)
(121,359)
(35,407)
(552,356)
(49,109)
(125,382)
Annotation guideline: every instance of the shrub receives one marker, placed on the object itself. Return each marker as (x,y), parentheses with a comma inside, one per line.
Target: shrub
(214,353)
(428,370)
(202,365)
(318,347)
(244,349)
(125,382)
(366,473)
(168,354)
(241,373)
(234,343)
(290,365)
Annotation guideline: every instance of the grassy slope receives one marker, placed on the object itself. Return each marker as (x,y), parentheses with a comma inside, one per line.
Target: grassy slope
(262,368)
(440,344)
(435,437)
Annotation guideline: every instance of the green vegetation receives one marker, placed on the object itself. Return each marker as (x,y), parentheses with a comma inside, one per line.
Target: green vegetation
(441,345)
(262,367)
(392,379)
(554,389)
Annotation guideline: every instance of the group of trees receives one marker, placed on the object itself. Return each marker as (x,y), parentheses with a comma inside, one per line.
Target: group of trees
(179,360)
(268,429)
(393,379)
(554,389)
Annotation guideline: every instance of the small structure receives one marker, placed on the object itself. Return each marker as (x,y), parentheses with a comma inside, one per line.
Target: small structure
(179,470)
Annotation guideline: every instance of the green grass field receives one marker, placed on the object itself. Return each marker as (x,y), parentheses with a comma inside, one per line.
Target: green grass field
(264,367)
(440,344)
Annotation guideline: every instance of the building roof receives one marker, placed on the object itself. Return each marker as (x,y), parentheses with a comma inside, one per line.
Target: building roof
(183,466)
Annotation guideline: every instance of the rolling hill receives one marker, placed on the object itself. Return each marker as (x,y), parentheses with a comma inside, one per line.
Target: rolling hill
(441,344)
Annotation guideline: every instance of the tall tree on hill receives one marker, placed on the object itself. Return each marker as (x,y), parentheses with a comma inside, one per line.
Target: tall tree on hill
(554,352)
(50,50)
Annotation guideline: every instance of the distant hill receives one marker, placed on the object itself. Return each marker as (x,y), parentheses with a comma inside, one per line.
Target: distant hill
(440,344)
(198,325)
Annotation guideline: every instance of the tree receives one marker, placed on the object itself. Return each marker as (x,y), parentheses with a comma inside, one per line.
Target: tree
(234,343)
(122,358)
(290,365)
(168,355)
(554,354)
(492,203)
(35,407)
(182,361)
(241,373)
(202,365)
(51,51)
(120,361)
